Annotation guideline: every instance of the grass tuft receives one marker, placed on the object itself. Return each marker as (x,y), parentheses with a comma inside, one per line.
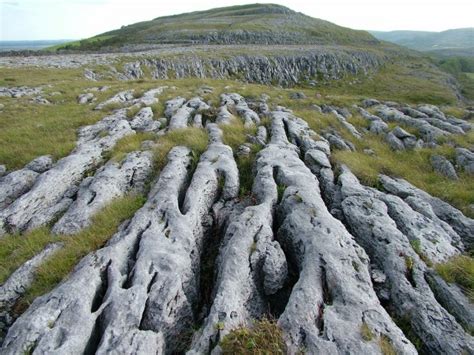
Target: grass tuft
(264,337)
(366,332)
(234,135)
(459,270)
(386,346)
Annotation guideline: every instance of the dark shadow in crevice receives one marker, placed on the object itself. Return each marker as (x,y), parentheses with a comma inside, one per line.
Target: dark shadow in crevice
(95,337)
(102,288)
(132,257)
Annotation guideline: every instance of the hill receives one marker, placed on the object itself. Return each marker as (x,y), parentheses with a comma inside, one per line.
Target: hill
(426,41)
(247,24)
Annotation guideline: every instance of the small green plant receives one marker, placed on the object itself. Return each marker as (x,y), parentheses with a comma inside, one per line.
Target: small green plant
(280,190)
(219,326)
(416,245)
(366,332)
(264,337)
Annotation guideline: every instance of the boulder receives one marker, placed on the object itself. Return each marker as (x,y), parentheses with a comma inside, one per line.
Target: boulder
(444,167)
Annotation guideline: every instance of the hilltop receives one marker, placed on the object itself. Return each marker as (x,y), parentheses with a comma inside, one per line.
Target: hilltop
(247,24)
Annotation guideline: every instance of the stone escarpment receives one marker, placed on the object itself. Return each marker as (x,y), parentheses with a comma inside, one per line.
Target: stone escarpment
(315,249)
(277,69)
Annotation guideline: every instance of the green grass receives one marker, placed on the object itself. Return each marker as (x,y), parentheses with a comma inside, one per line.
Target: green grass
(17,249)
(129,144)
(264,337)
(459,270)
(234,135)
(195,139)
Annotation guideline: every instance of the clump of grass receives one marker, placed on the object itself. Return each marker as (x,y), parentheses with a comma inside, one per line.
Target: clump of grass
(386,346)
(195,139)
(404,323)
(16,249)
(234,135)
(264,337)
(459,270)
(366,332)
(280,191)
(129,144)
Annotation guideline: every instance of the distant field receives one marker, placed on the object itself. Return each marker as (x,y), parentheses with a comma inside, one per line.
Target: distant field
(32,45)
(470,75)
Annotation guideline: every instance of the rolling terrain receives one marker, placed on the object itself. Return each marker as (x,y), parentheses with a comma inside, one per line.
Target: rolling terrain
(455,39)
(195,184)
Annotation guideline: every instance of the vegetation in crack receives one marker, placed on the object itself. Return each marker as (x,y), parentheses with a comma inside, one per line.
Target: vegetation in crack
(234,135)
(459,270)
(263,337)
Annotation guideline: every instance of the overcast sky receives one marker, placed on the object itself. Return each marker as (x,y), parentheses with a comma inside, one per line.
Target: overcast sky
(75,19)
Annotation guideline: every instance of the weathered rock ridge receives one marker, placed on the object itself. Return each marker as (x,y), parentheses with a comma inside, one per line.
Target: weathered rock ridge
(312,247)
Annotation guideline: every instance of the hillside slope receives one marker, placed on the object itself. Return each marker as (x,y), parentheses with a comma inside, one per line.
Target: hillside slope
(425,41)
(248,24)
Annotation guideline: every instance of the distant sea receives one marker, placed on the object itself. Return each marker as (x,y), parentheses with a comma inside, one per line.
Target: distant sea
(32,45)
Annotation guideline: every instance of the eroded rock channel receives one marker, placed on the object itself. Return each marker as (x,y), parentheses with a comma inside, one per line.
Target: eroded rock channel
(311,247)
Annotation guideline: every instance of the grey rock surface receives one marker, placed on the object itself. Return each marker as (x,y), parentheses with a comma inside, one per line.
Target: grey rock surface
(326,256)
(46,199)
(431,207)
(3,170)
(113,180)
(444,167)
(465,160)
(394,142)
(17,284)
(143,121)
(19,91)
(85,98)
(406,291)
(15,184)
(40,164)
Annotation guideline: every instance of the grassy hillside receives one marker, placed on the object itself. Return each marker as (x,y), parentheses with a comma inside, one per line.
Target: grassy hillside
(247,24)
(425,41)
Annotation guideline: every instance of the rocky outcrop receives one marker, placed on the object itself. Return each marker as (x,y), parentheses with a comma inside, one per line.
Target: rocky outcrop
(113,180)
(444,167)
(51,192)
(20,91)
(405,291)
(341,267)
(17,284)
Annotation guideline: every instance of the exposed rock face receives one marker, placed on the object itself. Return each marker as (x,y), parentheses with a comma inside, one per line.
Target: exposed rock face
(465,160)
(17,284)
(85,98)
(113,180)
(48,195)
(405,288)
(324,255)
(21,91)
(444,167)
(283,70)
